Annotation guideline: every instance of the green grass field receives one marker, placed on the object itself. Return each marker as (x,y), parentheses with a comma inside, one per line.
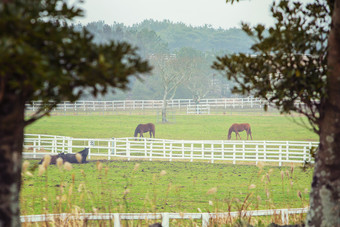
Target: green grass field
(208,127)
(161,186)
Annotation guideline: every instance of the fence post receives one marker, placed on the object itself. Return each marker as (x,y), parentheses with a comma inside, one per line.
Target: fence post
(54,148)
(164,153)
(150,151)
(205,220)
(170,151)
(191,152)
(222,150)
(287,150)
(128,149)
(244,149)
(39,142)
(304,153)
(182,149)
(145,148)
(284,216)
(234,154)
(212,153)
(89,144)
(165,220)
(63,148)
(116,222)
(109,151)
(280,155)
(34,149)
(257,153)
(113,145)
(264,150)
(69,144)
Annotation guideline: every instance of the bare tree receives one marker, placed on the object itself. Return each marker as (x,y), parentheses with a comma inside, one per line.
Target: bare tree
(173,70)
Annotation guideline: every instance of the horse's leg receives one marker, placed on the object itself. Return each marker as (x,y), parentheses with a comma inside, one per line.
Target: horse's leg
(239,135)
(150,134)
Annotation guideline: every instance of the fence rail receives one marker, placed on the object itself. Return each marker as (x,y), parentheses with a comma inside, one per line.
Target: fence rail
(36,146)
(122,105)
(164,217)
(198,109)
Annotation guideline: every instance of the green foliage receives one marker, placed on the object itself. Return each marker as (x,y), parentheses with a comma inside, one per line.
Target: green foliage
(157,38)
(173,35)
(288,65)
(43,58)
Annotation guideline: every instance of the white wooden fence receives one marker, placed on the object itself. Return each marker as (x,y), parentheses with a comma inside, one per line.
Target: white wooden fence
(164,217)
(91,106)
(198,109)
(36,146)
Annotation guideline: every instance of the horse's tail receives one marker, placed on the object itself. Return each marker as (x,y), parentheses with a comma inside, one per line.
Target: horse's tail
(136,131)
(250,133)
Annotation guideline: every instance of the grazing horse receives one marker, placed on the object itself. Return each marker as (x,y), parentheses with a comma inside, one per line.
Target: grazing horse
(142,128)
(239,128)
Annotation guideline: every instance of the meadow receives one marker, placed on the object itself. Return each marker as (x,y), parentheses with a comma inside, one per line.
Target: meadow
(161,186)
(186,127)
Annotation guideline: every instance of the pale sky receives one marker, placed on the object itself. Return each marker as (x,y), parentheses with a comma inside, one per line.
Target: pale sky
(191,12)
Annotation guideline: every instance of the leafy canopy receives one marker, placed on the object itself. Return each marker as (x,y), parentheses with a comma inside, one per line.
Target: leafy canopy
(43,58)
(288,65)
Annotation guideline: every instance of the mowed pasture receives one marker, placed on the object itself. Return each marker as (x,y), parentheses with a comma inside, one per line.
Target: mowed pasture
(162,186)
(185,127)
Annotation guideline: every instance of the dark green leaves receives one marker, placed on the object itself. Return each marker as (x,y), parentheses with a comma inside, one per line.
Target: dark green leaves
(288,64)
(43,58)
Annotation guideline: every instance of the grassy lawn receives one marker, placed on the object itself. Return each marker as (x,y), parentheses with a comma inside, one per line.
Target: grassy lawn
(211,127)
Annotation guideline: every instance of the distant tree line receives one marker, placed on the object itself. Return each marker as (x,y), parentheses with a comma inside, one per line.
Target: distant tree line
(165,38)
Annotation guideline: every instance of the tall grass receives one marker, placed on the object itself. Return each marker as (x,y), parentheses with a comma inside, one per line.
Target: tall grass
(150,187)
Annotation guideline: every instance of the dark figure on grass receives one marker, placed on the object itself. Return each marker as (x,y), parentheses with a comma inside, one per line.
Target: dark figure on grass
(239,128)
(142,128)
(79,157)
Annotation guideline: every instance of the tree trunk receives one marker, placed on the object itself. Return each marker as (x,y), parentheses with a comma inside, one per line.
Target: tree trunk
(325,193)
(164,107)
(11,142)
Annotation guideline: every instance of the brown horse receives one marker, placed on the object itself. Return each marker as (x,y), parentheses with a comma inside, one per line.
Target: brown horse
(239,128)
(142,128)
